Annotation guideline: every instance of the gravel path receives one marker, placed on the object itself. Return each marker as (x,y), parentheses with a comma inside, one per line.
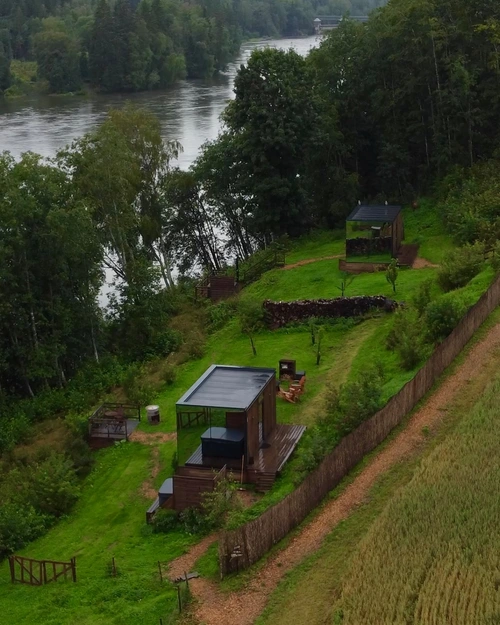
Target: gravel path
(216,608)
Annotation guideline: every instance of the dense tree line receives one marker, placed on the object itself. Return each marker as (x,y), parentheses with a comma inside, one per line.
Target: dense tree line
(126,45)
(381,110)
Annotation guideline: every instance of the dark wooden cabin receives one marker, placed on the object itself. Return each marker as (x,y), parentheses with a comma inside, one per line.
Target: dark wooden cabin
(227,421)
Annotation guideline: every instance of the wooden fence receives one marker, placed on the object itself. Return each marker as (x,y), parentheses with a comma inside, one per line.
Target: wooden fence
(240,548)
(39,572)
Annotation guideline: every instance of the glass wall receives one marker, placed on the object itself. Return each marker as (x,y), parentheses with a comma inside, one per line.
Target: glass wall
(368,241)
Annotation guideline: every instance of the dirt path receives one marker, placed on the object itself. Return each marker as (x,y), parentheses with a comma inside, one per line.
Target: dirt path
(152,438)
(308,261)
(147,488)
(216,608)
(422,263)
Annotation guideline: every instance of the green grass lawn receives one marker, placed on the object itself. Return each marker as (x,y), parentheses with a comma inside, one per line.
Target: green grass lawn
(108,521)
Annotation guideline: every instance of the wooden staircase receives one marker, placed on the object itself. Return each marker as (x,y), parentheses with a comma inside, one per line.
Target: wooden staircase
(265,481)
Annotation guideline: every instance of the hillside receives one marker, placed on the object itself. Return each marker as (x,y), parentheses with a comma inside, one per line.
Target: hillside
(108,520)
(415,541)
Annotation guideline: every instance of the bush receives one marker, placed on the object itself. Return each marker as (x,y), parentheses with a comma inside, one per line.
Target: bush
(219,314)
(219,502)
(443,315)
(194,521)
(138,391)
(352,403)
(19,525)
(460,266)
(54,487)
(165,521)
(405,338)
(422,296)
(169,374)
(495,257)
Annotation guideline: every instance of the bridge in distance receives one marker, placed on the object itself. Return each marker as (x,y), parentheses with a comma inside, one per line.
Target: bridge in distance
(327,22)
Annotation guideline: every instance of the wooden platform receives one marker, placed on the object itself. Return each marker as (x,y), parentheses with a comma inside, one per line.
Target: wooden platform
(106,433)
(272,456)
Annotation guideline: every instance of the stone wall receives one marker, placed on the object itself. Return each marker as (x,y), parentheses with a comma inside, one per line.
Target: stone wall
(281,313)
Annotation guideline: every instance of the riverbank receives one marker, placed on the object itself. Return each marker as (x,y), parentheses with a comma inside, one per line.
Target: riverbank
(26,84)
(189,111)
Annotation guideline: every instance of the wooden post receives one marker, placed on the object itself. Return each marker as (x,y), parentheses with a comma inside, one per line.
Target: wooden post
(159,569)
(186,578)
(73,568)
(12,569)
(179,597)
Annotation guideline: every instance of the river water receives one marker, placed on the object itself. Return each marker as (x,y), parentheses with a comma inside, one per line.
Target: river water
(189,111)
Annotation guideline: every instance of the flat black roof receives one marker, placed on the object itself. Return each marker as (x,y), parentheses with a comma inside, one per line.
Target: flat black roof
(366,212)
(223,386)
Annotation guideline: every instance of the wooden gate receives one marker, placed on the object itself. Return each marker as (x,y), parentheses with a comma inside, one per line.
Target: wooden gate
(38,572)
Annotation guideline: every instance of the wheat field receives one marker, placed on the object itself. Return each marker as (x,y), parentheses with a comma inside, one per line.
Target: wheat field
(433,556)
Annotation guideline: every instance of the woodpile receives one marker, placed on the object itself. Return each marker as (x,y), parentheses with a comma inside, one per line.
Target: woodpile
(282,313)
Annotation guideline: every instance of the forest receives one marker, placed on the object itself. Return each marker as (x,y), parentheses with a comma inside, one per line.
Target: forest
(404,105)
(126,45)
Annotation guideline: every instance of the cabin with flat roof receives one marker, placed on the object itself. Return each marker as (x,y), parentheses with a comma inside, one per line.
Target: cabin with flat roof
(374,234)
(226,424)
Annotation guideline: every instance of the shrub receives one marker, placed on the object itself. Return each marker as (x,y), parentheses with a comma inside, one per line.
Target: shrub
(422,296)
(169,374)
(219,314)
(219,502)
(352,403)
(19,524)
(405,338)
(443,315)
(138,391)
(495,257)
(194,521)
(165,521)
(54,487)
(460,266)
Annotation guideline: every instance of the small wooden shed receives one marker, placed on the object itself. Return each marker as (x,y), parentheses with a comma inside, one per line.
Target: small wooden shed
(374,233)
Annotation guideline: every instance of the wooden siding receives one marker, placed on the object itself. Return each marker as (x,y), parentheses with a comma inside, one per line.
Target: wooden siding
(236,420)
(269,408)
(253,434)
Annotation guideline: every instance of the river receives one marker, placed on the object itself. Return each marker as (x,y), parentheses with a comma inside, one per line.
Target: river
(189,111)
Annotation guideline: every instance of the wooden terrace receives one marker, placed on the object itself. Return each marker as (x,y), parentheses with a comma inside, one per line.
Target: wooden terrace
(272,455)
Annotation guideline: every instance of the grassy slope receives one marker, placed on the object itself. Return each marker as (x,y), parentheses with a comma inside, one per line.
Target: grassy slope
(109,518)
(108,521)
(311,593)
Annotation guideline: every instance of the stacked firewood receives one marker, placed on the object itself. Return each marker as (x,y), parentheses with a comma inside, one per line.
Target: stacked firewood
(282,313)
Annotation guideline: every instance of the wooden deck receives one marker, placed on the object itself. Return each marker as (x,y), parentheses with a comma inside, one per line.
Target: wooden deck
(272,456)
(105,433)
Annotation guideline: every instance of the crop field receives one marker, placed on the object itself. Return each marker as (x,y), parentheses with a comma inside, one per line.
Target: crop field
(433,556)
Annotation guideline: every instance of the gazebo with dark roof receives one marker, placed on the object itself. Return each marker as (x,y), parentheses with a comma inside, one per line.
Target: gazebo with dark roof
(374,233)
